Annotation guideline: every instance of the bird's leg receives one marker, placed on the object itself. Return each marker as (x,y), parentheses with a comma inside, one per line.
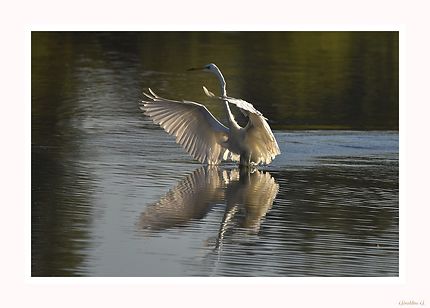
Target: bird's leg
(245,159)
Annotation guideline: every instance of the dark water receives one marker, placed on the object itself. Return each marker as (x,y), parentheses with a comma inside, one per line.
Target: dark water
(113,195)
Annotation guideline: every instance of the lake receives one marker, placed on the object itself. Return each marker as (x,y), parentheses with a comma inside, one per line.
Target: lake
(113,195)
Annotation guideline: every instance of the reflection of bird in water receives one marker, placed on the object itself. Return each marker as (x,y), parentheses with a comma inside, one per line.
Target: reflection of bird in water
(204,137)
(191,199)
(250,193)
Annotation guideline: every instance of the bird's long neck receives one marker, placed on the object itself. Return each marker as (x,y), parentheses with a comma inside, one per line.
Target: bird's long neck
(223,87)
(230,116)
(222,84)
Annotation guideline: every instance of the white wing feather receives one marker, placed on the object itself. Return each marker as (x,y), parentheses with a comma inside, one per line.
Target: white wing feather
(240,103)
(261,140)
(259,135)
(194,127)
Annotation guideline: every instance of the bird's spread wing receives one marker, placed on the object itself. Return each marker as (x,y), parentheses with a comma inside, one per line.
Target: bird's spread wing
(194,127)
(259,135)
(261,139)
(240,103)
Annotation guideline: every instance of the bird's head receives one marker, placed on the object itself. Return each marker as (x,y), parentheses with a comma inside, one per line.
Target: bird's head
(211,68)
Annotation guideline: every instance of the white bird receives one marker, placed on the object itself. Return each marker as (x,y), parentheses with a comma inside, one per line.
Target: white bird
(204,137)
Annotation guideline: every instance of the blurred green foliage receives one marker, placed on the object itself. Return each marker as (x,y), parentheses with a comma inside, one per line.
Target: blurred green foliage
(299,80)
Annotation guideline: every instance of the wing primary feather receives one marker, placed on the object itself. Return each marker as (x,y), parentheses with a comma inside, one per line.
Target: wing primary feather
(192,125)
(153,94)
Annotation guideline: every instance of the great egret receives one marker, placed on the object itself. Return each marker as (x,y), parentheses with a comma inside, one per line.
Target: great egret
(204,137)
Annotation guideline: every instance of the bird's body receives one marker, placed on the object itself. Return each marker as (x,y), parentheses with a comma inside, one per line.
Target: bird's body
(208,140)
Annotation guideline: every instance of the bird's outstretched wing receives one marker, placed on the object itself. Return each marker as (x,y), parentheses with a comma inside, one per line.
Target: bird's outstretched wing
(259,135)
(261,139)
(194,127)
(240,103)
